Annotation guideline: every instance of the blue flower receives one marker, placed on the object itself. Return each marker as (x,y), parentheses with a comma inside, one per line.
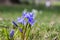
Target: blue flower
(24,13)
(31,14)
(14,24)
(20,30)
(31,21)
(30,17)
(21,20)
(11,33)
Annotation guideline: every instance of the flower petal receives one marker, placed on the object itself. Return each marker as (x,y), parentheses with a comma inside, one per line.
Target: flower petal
(11,33)
(14,24)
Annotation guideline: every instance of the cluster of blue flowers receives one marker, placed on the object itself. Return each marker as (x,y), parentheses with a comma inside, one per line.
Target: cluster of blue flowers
(29,16)
(25,15)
